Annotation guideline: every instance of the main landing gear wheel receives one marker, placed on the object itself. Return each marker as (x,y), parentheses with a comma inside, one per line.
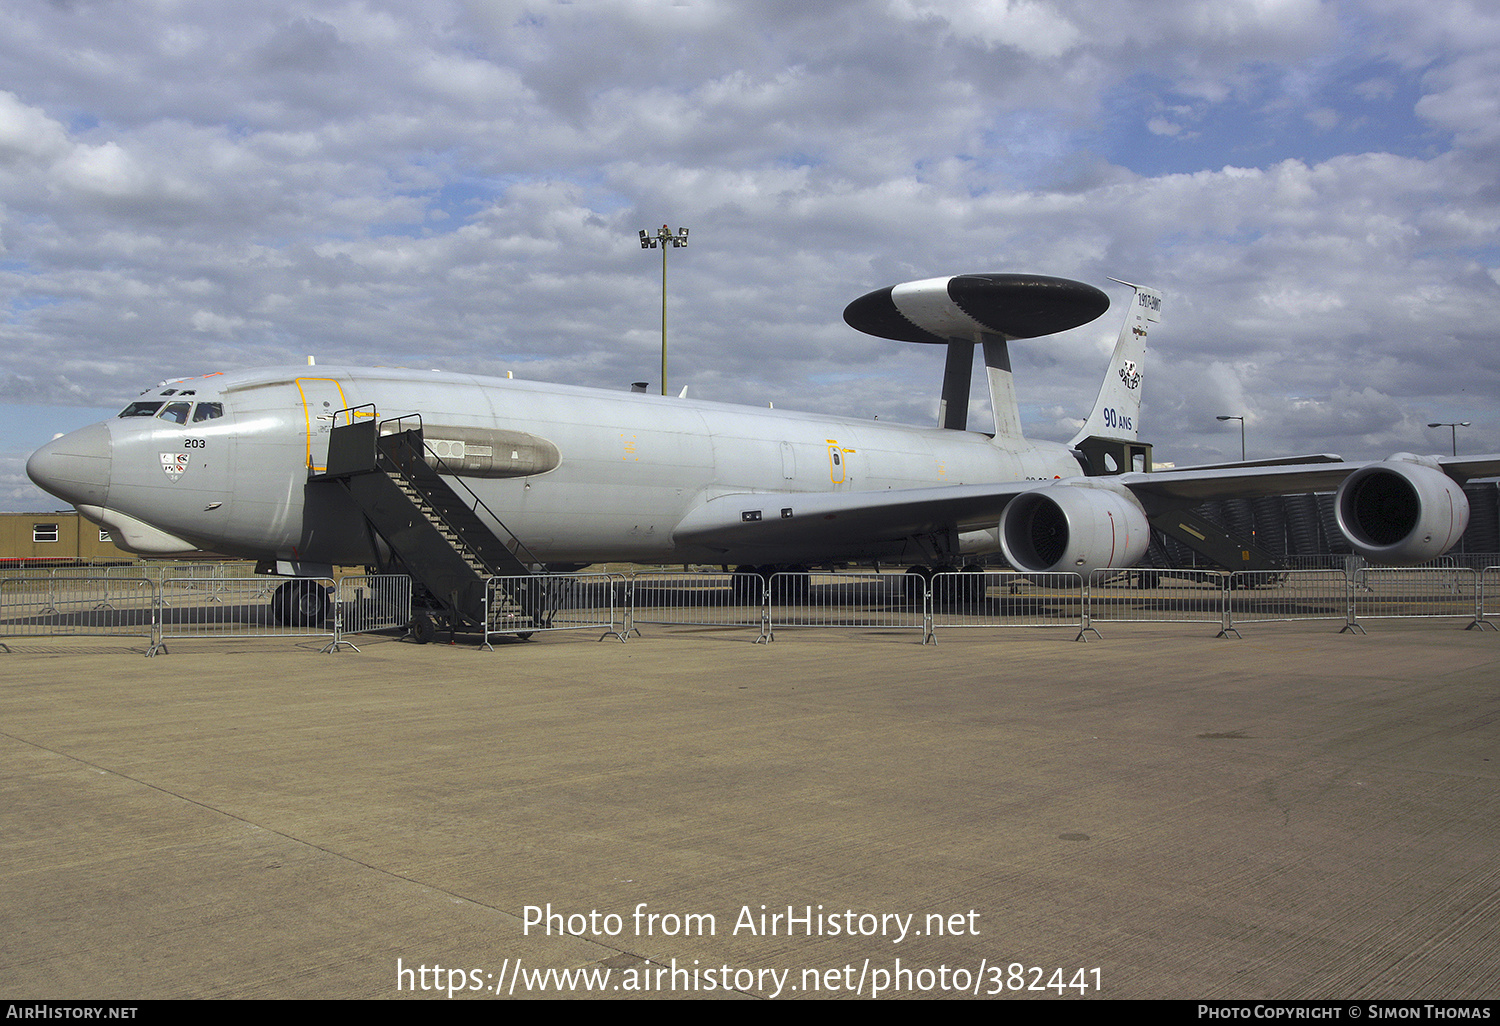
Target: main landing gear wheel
(747,586)
(916,582)
(971,585)
(950,590)
(789,584)
(300,604)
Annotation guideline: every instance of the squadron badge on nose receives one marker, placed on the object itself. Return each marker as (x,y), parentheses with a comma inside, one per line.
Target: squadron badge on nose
(174,464)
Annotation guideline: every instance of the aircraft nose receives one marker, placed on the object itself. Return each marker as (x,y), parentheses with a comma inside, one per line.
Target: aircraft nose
(75,467)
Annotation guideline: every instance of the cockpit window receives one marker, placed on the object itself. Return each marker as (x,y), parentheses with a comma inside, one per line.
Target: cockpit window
(177,413)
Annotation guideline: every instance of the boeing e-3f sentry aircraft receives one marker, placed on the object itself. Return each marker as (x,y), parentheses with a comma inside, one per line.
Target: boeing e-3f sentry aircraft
(233,462)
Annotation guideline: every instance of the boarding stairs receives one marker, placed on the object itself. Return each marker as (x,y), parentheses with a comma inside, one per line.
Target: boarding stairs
(1229,547)
(1224,547)
(435,534)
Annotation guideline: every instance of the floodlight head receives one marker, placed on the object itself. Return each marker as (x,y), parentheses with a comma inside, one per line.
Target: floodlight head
(646,242)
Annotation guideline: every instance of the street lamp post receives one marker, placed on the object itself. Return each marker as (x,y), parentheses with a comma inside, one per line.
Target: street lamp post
(1453,426)
(1242,434)
(664,237)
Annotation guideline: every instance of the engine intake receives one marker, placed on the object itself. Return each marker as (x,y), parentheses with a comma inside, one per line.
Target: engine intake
(1076,526)
(1403,510)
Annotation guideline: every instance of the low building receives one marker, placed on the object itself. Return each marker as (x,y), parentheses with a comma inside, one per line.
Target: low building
(56,539)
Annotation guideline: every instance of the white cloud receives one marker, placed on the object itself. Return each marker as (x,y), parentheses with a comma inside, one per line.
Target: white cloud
(1035,29)
(441,183)
(27,133)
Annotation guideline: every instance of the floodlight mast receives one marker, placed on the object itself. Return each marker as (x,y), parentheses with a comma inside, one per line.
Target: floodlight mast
(664,237)
(1453,426)
(1242,433)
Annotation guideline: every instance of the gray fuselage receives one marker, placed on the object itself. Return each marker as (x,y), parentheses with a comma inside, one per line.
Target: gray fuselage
(579,475)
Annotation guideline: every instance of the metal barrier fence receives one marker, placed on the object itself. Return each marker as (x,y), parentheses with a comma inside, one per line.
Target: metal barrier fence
(366,603)
(211,582)
(865,601)
(153,571)
(69,602)
(523,606)
(696,600)
(1266,596)
(1489,597)
(1384,592)
(197,608)
(77,605)
(1476,561)
(1155,596)
(214,607)
(1005,598)
(1324,561)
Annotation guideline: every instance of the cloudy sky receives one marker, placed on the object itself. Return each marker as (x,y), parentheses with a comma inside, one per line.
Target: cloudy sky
(190,186)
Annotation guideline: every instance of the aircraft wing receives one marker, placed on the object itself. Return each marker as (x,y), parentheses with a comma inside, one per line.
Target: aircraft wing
(828,521)
(1469,468)
(1174,488)
(1274,461)
(1408,506)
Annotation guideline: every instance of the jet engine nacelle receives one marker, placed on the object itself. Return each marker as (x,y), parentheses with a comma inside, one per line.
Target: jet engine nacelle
(1074,526)
(1404,510)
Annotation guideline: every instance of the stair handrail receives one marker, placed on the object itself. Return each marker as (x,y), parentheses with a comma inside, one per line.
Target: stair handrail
(354,414)
(530,557)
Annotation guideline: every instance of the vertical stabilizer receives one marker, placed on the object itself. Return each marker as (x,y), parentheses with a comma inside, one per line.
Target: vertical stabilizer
(1117,411)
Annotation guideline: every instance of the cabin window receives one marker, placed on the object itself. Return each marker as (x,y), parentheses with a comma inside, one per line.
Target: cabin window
(177,413)
(45,533)
(141,409)
(208,411)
